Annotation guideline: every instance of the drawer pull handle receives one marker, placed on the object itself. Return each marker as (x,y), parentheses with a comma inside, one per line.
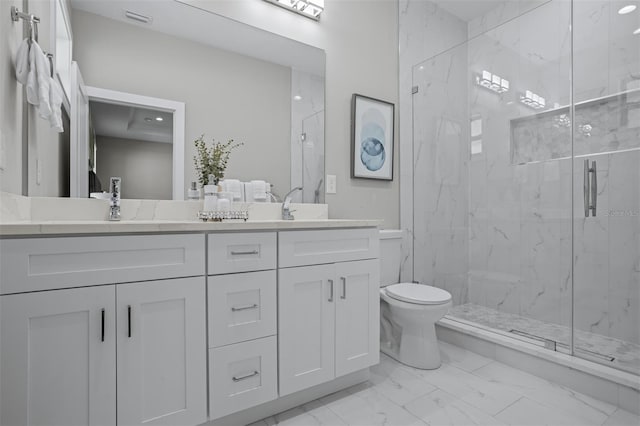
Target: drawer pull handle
(243,308)
(102,325)
(344,288)
(331,289)
(245,377)
(244,253)
(129,321)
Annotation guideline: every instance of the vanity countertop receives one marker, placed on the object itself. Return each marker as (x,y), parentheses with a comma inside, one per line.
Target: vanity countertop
(59,227)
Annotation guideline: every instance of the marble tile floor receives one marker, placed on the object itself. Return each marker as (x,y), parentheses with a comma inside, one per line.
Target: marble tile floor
(626,355)
(467,389)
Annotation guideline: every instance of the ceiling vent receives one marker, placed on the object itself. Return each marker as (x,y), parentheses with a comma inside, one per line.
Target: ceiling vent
(138,17)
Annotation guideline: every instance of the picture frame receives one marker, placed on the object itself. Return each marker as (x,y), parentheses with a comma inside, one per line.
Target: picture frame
(372,138)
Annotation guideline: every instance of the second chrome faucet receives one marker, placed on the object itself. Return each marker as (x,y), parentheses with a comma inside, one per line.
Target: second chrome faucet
(286,203)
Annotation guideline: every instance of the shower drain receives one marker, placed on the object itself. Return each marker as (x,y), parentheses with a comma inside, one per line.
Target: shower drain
(562,347)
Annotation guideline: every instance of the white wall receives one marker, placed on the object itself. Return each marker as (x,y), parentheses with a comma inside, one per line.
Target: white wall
(145,167)
(226,95)
(360,39)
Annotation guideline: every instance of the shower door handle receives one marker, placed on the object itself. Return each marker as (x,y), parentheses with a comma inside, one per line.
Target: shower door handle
(586,188)
(594,189)
(590,188)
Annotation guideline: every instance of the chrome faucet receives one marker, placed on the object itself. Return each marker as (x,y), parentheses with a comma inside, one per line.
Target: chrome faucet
(286,213)
(114,201)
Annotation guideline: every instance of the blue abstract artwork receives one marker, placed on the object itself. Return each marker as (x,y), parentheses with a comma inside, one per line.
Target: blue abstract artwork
(372,138)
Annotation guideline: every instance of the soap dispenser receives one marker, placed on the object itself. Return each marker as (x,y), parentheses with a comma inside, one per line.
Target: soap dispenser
(194,192)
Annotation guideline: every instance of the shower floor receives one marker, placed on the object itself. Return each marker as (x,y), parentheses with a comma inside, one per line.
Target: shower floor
(595,347)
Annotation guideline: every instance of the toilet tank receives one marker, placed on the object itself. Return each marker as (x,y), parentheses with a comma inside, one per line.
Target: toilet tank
(390,256)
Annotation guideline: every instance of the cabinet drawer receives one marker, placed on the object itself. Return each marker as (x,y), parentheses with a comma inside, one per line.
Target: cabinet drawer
(49,263)
(241,252)
(301,248)
(241,307)
(242,376)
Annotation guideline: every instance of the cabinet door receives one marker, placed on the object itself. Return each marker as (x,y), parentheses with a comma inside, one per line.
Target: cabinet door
(306,318)
(56,367)
(357,315)
(162,352)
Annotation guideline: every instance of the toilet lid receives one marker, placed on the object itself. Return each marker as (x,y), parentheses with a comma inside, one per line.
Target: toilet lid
(418,293)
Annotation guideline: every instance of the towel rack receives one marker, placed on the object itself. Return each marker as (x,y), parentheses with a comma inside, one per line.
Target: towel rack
(33,20)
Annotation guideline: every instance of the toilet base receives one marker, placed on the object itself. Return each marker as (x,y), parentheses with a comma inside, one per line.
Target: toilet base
(417,349)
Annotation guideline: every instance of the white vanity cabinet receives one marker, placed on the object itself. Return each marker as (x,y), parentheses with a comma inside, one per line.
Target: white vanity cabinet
(162,352)
(243,349)
(71,355)
(328,315)
(58,357)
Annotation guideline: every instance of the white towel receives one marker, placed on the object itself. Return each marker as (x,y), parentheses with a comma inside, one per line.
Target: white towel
(22,62)
(55,99)
(259,190)
(32,80)
(234,186)
(43,70)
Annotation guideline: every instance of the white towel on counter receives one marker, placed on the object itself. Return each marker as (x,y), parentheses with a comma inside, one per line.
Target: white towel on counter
(235,187)
(22,62)
(259,189)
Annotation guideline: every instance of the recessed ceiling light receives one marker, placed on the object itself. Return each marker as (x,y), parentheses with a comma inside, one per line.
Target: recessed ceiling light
(636,32)
(627,9)
(148,119)
(297,97)
(159,119)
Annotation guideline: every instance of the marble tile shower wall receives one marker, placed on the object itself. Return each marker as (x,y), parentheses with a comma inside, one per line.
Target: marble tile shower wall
(512,251)
(425,31)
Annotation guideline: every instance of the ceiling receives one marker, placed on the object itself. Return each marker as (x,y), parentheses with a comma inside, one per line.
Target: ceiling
(468,9)
(128,122)
(192,23)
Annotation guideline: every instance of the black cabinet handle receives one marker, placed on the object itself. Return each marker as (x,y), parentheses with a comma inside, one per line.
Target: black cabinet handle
(102,325)
(129,320)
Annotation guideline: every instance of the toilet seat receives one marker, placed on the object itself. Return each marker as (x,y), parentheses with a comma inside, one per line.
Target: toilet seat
(418,294)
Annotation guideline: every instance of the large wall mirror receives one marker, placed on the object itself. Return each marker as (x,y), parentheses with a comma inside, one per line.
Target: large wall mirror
(235,81)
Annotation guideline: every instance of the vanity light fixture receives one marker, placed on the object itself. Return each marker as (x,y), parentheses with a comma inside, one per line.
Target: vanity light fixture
(309,8)
(627,9)
(138,17)
(532,100)
(492,82)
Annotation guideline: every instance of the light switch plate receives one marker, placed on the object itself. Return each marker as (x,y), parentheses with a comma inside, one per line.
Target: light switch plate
(331,184)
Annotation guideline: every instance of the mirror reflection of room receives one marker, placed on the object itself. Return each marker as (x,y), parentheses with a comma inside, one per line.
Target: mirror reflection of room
(129,142)
(236,83)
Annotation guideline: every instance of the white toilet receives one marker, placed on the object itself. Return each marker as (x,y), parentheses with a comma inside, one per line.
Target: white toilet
(408,311)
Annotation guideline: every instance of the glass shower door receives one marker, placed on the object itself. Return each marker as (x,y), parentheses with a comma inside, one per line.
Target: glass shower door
(606,185)
(492,177)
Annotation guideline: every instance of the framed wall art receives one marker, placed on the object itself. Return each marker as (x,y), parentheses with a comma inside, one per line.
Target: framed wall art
(372,122)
